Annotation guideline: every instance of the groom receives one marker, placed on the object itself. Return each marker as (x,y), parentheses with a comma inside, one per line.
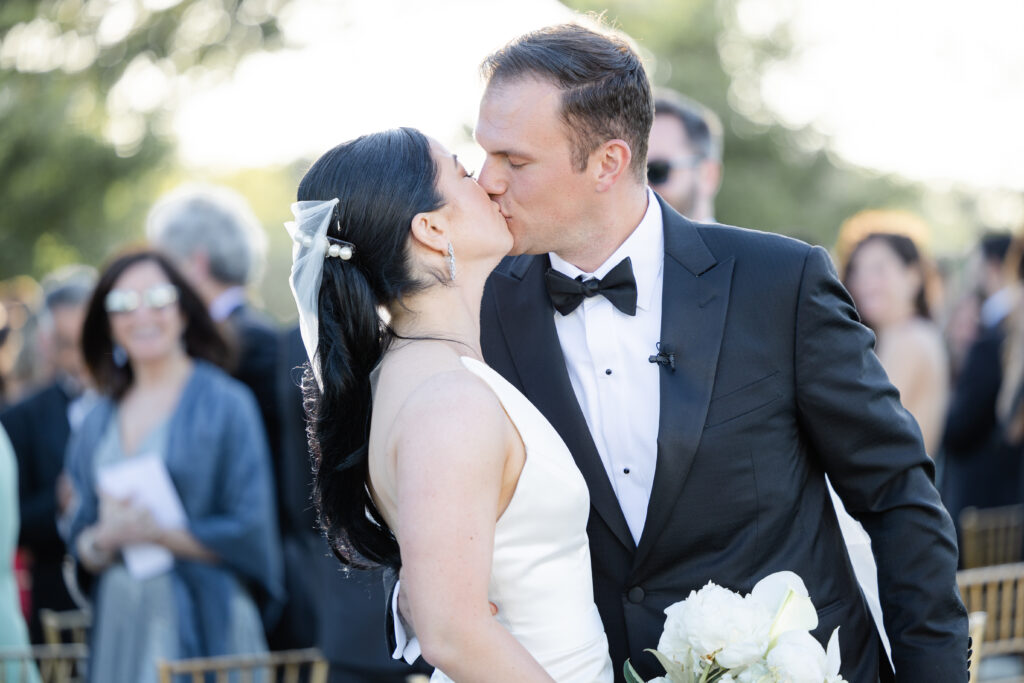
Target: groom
(705,378)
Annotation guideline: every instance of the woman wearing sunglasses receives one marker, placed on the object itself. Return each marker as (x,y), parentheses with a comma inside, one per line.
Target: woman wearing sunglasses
(152,349)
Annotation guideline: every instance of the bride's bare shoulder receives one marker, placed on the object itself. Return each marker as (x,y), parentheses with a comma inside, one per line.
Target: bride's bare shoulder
(437,398)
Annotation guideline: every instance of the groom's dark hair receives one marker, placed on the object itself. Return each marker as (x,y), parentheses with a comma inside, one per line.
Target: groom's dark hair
(605,91)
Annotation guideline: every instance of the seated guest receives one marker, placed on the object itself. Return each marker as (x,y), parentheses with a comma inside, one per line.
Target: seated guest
(888,278)
(151,347)
(39,427)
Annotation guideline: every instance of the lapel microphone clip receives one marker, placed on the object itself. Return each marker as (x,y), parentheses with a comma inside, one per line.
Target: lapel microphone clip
(663,357)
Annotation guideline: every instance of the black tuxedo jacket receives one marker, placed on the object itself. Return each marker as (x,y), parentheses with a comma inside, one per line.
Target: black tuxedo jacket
(775,385)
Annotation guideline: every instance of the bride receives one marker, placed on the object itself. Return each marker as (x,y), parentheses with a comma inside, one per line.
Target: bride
(426,458)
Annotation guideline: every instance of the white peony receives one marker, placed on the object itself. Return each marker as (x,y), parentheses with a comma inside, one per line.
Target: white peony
(785,596)
(716,622)
(798,658)
(756,673)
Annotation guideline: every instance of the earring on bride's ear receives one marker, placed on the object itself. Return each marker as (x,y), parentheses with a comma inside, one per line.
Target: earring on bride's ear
(451,261)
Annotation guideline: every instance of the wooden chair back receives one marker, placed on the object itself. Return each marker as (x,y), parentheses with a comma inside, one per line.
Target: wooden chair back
(71,626)
(976,625)
(999,592)
(53,663)
(991,536)
(287,666)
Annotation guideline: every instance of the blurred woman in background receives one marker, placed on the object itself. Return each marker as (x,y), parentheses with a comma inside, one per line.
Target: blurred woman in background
(151,347)
(887,277)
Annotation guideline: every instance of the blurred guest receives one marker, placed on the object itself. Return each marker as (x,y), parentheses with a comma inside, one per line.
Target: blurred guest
(887,277)
(684,158)
(5,331)
(219,245)
(342,610)
(1010,402)
(213,235)
(981,467)
(24,361)
(13,633)
(39,427)
(151,347)
(996,285)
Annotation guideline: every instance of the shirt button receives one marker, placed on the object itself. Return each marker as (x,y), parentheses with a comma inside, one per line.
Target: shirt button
(636,595)
(608,371)
(625,470)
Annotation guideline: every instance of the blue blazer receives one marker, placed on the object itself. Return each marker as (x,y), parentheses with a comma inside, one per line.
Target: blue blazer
(218,460)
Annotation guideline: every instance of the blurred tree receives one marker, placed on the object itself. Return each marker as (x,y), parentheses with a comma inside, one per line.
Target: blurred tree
(86,87)
(776,178)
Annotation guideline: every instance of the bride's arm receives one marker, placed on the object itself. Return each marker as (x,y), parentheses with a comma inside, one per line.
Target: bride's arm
(449,467)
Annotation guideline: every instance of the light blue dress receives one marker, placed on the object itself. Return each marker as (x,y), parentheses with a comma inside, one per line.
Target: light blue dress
(13,633)
(216,454)
(146,627)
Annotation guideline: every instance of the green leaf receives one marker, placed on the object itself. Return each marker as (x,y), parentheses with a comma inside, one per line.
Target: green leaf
(630,673)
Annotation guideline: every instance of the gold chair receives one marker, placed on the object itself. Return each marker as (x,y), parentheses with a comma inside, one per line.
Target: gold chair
(54,663)
(976,625)
(286,666)
(991,536)
(71,626)
(999,592)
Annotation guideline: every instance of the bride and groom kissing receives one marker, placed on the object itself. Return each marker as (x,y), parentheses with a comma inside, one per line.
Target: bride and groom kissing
(629,405)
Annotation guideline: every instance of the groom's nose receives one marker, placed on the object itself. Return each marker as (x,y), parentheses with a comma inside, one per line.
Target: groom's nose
(491,179)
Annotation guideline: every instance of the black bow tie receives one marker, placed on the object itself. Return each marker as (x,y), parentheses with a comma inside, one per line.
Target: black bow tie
(618,286)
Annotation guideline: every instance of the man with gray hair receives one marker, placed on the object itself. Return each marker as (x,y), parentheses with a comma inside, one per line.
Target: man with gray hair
(219,244)
(39,428)
(684,162)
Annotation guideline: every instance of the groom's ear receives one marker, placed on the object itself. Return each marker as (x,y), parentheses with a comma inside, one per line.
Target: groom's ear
(608,163)
(429,231)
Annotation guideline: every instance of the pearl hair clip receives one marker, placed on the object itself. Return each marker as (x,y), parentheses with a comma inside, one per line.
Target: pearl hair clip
(340,248)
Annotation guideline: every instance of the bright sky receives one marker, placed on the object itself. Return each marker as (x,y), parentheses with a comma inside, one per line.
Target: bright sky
(356,67)
(930,89)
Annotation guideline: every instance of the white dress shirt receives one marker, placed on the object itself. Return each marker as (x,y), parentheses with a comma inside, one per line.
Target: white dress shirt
(606,353)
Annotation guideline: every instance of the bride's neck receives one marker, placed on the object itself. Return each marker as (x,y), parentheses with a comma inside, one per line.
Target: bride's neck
(449,312)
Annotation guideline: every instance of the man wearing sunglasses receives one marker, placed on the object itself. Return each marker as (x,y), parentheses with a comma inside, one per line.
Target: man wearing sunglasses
(684,158)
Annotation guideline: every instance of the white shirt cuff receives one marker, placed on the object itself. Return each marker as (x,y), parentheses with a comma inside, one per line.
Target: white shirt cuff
(405,647)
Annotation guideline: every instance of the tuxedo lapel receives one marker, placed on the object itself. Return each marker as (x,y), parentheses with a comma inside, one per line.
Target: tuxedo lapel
(694,303)
(527,322)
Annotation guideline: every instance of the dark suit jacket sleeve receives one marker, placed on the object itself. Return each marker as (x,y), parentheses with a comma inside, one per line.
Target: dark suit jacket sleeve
(872,451)
(38,500)
(972,410)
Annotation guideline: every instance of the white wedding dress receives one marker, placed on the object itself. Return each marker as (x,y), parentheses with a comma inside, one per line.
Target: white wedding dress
(541,576)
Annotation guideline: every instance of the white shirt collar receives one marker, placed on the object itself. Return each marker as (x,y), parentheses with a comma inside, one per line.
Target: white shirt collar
(645,248)
(226,303)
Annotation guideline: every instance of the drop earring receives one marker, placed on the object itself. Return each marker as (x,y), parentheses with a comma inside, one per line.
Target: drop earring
(451,261)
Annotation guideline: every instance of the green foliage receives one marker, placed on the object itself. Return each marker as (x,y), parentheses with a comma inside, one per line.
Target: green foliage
(80,161)
(775,178)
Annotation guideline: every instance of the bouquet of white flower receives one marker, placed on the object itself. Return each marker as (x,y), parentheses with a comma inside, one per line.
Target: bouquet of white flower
(718,636)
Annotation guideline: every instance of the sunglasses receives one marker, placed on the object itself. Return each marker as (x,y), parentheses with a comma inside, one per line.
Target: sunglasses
(128,300)
(658,170)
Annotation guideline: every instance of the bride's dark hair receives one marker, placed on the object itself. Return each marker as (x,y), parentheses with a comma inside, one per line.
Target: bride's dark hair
(381,181)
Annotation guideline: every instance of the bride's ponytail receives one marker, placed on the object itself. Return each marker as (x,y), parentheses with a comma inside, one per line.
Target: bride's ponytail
(381,182)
